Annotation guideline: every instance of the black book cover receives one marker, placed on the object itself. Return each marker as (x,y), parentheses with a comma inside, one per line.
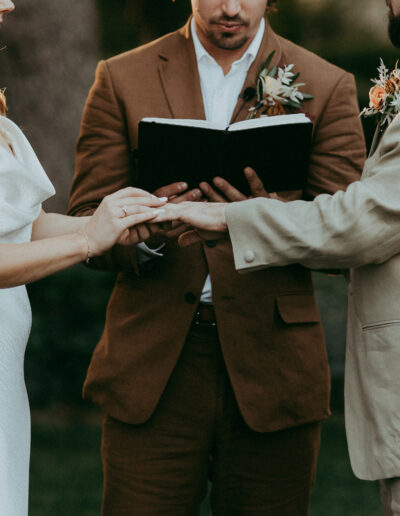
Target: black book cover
(177,150)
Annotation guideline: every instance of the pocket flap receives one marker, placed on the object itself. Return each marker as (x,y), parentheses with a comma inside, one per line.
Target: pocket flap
(296,308)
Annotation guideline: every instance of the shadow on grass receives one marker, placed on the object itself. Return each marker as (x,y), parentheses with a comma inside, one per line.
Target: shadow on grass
(66,477)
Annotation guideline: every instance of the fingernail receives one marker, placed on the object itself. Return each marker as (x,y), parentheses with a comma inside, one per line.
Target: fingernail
(248,172)
(157,212)
(218,181)
(196,194)
(183,186)
(163,199)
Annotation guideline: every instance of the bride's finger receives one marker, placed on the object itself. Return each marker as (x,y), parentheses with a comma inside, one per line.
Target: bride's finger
(142,201)
(144,215)
(130,191)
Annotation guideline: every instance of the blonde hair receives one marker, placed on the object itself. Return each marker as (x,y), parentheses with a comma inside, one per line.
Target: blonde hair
(3,103)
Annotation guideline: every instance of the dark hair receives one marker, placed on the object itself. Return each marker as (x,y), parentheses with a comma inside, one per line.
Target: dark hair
(3,103)
(271,5)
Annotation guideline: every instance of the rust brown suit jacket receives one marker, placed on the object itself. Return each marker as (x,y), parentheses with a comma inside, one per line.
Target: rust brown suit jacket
(268,323)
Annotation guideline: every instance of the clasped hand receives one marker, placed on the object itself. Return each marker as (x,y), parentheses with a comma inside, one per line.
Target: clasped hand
(209,218)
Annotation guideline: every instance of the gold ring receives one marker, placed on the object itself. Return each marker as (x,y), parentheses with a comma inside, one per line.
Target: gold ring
(125,211)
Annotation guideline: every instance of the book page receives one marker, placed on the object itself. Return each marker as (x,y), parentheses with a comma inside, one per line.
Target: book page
(185,122)
(270,121)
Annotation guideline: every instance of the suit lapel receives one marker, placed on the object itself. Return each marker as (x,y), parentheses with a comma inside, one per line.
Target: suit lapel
(180,78)
(269,43)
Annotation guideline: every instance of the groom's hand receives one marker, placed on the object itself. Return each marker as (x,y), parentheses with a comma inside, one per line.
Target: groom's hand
(228,193)
(156,234)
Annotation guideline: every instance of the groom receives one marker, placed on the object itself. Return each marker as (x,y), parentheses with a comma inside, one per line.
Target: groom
(202,373)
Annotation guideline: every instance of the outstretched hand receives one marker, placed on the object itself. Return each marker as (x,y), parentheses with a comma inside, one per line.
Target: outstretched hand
(209,219)
(116,217)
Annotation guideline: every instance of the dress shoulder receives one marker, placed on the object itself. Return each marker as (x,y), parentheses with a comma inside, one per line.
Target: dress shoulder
(24,184)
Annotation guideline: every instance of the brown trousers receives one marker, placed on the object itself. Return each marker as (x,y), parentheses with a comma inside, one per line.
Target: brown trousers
(196,435)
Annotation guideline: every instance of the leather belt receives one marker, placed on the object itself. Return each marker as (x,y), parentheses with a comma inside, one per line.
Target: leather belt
(205,314)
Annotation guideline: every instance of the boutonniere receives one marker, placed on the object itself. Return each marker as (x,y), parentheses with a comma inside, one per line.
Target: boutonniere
(277,90)
(384,97)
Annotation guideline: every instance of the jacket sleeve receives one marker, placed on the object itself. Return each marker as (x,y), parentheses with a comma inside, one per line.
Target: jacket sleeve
(338,152)
(349,229)
(103,161)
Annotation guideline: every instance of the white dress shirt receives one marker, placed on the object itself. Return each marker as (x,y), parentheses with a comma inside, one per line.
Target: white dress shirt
(220,95)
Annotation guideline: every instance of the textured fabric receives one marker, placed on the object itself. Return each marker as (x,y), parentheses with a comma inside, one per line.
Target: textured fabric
(23,187)
(276,360)
(197,434)
(350,229)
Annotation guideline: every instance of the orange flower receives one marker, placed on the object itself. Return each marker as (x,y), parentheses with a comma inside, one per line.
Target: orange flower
(392,85)
(377,96)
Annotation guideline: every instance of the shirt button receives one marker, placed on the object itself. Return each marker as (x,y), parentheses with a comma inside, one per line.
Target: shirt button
(190,298)
(211,243)
(249,256)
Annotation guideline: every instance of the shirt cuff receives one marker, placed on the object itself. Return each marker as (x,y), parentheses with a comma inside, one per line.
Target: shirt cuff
(145,254)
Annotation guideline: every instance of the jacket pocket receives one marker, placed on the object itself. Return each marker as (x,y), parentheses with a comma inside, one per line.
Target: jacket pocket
(298,308)
(380,324)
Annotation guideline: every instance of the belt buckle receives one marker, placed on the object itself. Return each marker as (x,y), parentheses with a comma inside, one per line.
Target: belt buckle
(202,323)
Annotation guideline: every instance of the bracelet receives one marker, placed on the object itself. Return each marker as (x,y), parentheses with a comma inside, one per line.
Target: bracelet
(88,254)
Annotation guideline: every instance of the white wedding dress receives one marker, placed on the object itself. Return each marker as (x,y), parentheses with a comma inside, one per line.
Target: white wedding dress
(23,187)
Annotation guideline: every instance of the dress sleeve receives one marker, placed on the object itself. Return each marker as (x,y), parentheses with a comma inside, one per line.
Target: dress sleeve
(23,184)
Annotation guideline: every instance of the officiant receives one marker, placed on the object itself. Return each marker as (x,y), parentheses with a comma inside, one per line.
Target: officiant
(202,373)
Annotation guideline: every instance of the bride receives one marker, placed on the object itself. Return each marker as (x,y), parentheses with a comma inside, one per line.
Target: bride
(34,244)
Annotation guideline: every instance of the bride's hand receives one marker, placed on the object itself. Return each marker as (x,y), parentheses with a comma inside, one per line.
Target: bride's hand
(117,213)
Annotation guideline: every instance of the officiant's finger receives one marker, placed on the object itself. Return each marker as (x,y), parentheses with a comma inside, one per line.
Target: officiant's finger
(231,193)
(191,195)
(171,190)
(177,231)
(143,232)
(210,193)
(189,238)
(256,185)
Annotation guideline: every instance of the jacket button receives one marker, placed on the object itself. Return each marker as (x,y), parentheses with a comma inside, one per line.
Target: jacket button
(190,298)
(249,256)
(211,243)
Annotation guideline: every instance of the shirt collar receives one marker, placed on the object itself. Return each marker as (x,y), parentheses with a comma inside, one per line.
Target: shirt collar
(249,55)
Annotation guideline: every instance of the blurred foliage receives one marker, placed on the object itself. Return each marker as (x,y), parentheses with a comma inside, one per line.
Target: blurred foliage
(69,311)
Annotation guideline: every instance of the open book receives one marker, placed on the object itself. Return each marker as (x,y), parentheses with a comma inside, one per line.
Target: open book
(278,148)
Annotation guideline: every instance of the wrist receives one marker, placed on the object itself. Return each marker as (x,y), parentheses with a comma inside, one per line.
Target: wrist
(87,250)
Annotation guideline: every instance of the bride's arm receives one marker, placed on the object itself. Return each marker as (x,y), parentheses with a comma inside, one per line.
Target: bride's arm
(49,225)
(60,241)
(24,263)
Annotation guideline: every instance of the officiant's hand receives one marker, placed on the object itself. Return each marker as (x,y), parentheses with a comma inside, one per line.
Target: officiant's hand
(228,193)
(156,234)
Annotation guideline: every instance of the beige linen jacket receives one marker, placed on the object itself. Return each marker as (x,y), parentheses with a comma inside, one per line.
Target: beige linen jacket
(359,228)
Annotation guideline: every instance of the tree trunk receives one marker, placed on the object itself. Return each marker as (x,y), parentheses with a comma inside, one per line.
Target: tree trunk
(48,65)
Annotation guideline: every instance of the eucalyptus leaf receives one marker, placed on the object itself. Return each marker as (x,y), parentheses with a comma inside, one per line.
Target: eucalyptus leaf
(273,71)
(268,61)
(260,89)
(294,104)
(295,77)
(307,96)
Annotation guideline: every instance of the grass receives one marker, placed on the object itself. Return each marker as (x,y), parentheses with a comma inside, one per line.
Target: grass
(66,475)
